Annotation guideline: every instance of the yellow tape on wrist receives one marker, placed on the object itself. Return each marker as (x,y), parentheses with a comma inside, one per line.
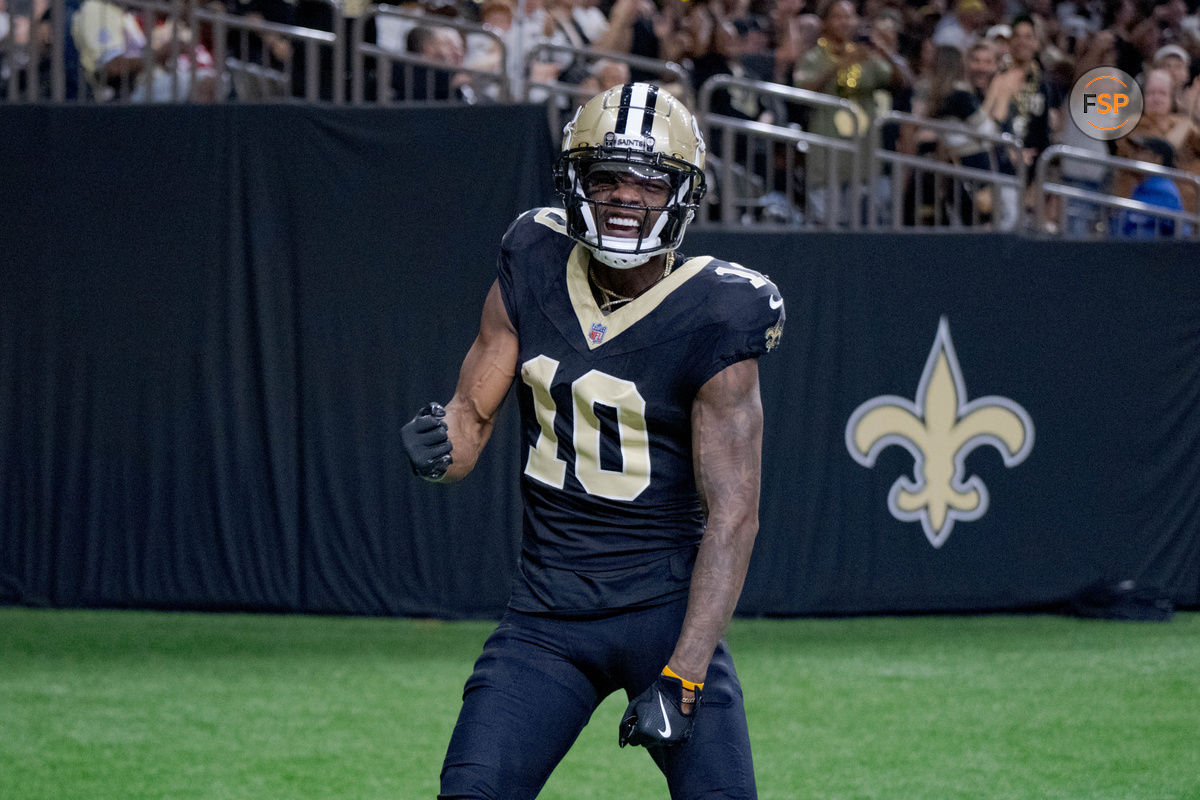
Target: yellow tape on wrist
(691,686)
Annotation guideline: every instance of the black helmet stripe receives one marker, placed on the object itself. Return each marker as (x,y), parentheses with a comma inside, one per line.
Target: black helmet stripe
(648,116)
(645,102)
(623,112)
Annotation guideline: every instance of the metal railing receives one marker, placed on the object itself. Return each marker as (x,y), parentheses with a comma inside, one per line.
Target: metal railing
(170,71)
(941,191)
(767,175)
(563,97)
(780,174)
(667,73)
(31,69)
(386,76)
(312,69)
(191,53)
(1078,210)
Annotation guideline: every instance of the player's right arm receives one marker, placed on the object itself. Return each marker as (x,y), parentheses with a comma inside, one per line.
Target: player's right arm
(459,436)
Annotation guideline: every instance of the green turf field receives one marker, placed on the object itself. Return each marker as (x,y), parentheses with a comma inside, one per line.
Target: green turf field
(99,705)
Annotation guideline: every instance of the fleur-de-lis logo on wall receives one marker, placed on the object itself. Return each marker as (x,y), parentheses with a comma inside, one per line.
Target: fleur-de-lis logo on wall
(940,429)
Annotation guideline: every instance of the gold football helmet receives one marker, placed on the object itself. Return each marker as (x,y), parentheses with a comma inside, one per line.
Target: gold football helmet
(640,131)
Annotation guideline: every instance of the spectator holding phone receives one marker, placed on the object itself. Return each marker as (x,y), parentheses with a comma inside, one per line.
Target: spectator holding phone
(854,67)
(1024,97)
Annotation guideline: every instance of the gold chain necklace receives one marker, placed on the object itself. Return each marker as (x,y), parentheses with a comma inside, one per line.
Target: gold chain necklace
(610,299)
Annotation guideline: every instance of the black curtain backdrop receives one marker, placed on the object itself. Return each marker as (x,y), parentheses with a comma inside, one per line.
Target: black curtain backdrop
(1099,343)
(214,321)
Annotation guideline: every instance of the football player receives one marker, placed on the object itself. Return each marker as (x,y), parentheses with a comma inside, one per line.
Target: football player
(642,434)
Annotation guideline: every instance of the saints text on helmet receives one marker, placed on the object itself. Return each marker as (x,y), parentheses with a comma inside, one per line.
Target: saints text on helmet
(631,142)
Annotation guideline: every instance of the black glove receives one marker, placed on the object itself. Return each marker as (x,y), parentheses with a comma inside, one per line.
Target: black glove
(655,717)
(427,442)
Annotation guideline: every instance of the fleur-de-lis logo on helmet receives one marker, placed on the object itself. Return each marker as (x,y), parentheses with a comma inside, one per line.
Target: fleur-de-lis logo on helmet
(940,429)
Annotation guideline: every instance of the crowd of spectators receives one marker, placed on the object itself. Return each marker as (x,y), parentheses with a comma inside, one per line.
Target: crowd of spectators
(998,66)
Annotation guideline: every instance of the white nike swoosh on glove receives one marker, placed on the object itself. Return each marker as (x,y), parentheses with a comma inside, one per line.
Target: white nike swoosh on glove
(666,734)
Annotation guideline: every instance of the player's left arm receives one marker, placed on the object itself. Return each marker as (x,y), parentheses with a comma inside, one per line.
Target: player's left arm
(727,425)
(727,449)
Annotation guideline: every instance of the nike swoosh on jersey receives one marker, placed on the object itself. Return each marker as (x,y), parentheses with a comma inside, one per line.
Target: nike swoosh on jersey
(666,734)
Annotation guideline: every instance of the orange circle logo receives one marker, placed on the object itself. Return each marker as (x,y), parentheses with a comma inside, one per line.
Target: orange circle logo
(1106,103)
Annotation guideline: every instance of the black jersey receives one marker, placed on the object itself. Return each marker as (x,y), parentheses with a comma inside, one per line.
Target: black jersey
(612,516)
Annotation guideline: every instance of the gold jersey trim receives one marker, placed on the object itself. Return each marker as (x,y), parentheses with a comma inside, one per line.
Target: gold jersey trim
(620,320)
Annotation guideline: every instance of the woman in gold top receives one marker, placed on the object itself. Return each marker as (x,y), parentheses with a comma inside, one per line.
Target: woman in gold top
(851,67)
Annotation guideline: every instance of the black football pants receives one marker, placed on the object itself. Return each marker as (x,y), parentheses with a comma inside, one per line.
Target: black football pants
(538,681)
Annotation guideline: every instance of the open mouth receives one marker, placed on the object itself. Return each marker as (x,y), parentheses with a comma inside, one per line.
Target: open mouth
(622,224)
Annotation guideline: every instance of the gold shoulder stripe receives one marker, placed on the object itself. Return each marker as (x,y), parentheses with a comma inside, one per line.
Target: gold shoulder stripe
(588,313)
(552,218)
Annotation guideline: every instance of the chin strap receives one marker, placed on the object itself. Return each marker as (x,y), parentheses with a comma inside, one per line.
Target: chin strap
(618,261)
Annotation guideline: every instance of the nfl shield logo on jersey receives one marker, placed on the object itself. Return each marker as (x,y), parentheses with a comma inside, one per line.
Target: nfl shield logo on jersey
(598,331)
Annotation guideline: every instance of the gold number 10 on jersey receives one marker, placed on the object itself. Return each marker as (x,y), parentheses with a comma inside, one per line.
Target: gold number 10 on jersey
(586,392)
